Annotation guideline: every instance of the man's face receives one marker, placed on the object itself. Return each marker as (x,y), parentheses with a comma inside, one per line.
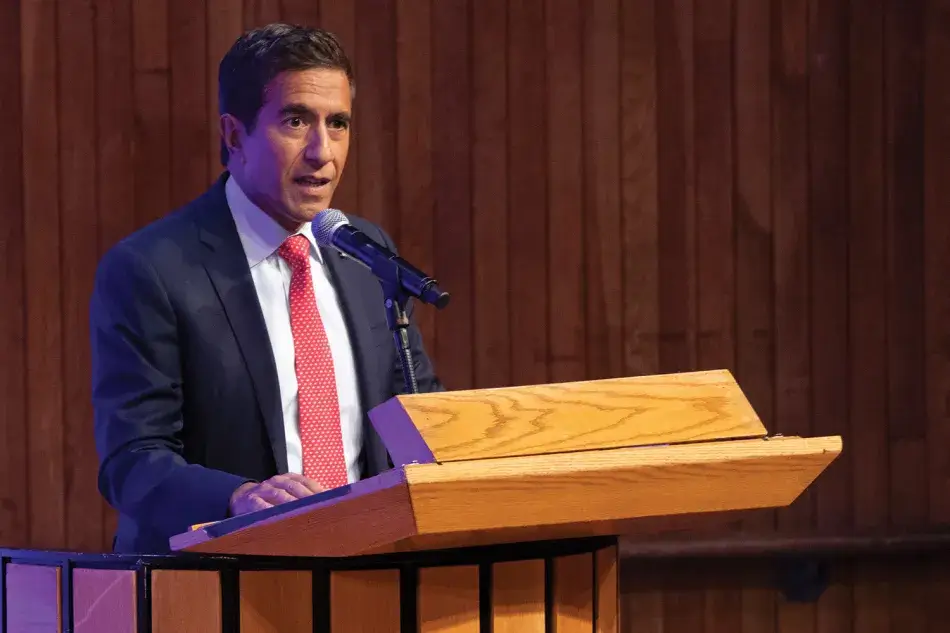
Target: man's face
(292,162)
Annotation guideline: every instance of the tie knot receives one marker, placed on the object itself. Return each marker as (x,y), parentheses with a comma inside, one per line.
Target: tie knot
(295,250)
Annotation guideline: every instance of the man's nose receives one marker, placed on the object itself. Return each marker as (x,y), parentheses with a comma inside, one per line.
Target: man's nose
(319,151)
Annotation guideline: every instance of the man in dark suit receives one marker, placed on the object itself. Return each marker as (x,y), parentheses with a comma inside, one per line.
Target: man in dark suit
(234,360)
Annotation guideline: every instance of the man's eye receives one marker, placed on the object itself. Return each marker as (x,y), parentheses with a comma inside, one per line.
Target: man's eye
(295,121)
(339,124)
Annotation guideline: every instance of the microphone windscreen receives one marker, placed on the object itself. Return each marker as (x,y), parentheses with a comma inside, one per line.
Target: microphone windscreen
(325,224)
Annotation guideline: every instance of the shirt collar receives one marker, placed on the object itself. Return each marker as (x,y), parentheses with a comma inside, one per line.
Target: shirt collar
(260,235)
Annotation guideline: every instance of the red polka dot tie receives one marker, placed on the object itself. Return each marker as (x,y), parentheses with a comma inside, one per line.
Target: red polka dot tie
(320,434)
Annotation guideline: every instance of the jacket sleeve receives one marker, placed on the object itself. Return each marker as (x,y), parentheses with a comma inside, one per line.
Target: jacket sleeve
(426,376)
(137,400)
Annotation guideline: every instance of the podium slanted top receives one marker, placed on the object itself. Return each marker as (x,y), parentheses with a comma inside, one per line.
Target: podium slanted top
(565,417)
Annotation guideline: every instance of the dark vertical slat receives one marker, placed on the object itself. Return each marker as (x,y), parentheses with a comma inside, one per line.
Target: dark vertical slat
(414,135)
(451,162)
(828,206)
(14,512)
(791,230)
(259,13)
(903,82)
(321,600)
(715,249)
(114,156)
(638,130)
(376,126)
(602,219)
(866,270)
(79,220)
(527,192)
(677,230)
(3,594)
(339,17)
(189,118)
(715,242)
(755,331)
(143,599)
(791,261)
(566,278)
(66,595)
(302,12)
(224,23)
(230,596)
(42,245)
(151,91)
(937,262)
(490,182)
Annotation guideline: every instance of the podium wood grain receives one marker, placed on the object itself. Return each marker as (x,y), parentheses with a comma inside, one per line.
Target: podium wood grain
(365,601)
(276,601)
(185,601)
(518,597)
(574,594)
(575,416)
(448,599)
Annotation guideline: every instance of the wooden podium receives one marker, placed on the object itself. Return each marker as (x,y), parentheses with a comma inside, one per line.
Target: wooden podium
(502,513)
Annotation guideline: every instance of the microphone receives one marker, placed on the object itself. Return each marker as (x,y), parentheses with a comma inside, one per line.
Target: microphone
(331,228)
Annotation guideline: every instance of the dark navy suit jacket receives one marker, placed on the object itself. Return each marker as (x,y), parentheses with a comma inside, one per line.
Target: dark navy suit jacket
(185,392)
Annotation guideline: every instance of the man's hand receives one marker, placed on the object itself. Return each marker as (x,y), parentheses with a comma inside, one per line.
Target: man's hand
(276,490)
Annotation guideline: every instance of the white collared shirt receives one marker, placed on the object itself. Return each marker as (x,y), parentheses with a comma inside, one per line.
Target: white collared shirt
(261,236)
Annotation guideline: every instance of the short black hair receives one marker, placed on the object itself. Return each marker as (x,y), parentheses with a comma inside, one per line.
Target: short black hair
(259,55)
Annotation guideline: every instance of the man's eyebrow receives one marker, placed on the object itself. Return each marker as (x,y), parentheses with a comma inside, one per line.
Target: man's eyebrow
(295,108)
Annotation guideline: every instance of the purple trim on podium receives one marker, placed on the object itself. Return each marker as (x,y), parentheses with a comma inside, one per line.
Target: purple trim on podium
(400,436)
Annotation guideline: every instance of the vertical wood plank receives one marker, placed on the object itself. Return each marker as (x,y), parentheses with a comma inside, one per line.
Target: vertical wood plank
(791,271)
(115,124)
(276,602)
(566,272)
(350,594)
(828,222)
(44,325)
(414,147)
(607,607)
(573,594)
(490,182)
(104,601)
(451,159)
(79,221)
(904,183)
(151,91)
(14,491)
(258,13)
(639,188)
(937,263)
(448,600)
(527,192)
(187,21)
(677,231)
(602,225)
(754,318)
(866,270)
(224,25)
(518,597)
(185,601)
(642,599)
(339,17)
(871,597)
(34,599)
(301,12)
(375,67)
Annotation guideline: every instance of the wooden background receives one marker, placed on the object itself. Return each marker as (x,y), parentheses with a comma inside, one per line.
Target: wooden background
(607,187)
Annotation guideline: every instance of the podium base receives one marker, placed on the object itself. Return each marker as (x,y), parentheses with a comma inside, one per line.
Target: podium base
(569,585)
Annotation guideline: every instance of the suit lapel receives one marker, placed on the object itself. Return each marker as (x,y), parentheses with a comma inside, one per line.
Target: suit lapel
(226,265)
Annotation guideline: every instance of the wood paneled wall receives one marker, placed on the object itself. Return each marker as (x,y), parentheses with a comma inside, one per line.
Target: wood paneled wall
(608,187)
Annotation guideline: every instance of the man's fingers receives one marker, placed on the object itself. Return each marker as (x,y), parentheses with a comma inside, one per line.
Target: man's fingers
(296,489)
(274,495)
(305,481)
(254,503)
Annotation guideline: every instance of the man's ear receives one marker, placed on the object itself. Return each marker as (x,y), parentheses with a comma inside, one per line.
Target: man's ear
(232,135)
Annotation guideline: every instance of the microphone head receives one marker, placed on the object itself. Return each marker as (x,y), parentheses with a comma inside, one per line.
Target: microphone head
(325,224)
